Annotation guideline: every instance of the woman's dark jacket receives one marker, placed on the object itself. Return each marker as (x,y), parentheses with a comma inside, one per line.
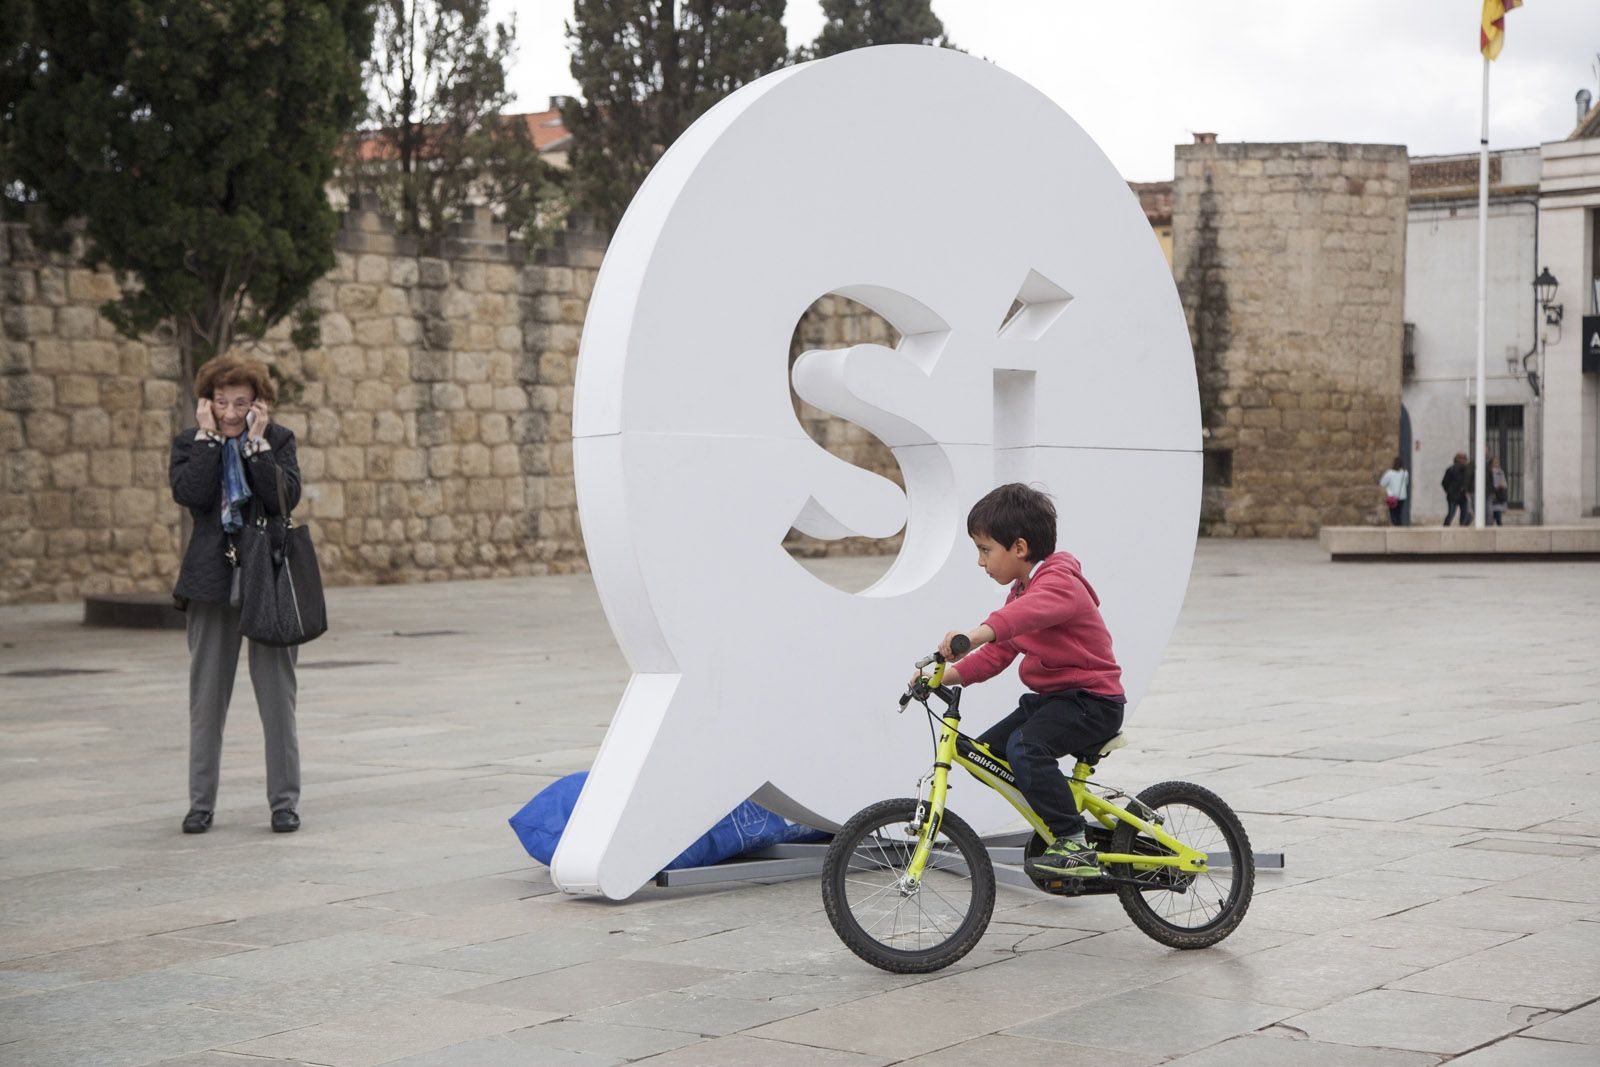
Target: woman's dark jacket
(196,475)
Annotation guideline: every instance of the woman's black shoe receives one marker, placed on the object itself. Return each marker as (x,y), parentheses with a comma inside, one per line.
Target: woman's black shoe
(196,822)
(284,822)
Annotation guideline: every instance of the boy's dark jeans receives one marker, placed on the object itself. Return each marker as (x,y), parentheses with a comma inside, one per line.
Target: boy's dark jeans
(1044,728)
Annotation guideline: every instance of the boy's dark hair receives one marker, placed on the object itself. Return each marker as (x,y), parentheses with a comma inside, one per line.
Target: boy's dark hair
(1012,511)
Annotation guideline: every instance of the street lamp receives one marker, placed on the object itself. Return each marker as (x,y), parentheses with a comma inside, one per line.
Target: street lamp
(1544,290)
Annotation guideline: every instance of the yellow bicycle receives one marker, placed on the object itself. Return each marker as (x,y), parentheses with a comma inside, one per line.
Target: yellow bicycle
(910,888)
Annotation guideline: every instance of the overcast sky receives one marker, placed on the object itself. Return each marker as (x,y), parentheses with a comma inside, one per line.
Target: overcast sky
(1144,75)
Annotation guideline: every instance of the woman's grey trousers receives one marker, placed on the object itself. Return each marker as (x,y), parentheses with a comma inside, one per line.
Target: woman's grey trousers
(213,660)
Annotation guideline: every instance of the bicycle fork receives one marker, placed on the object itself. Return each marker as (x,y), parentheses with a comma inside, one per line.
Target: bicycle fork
(930,812)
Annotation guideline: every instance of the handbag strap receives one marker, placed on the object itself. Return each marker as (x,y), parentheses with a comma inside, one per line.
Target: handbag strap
(283,500)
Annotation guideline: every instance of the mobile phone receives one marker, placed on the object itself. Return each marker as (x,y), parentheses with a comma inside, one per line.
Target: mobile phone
(249,418)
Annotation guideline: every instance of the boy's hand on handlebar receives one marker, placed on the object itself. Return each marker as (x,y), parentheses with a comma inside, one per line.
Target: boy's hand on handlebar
(978,635)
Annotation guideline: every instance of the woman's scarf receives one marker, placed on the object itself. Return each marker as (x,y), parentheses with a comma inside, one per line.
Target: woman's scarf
(235,490)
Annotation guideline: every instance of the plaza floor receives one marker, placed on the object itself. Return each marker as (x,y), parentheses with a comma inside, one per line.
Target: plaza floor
(1422,741)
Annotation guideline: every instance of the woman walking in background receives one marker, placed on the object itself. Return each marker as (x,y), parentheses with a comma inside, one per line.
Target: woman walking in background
(235,456)
(1499,492)
(1395,481)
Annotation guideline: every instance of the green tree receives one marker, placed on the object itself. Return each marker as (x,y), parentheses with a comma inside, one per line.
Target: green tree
(437,140)
(647,69)
(860,23)
(192,139)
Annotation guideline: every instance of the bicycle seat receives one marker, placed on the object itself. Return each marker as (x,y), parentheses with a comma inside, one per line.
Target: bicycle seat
(1093,757)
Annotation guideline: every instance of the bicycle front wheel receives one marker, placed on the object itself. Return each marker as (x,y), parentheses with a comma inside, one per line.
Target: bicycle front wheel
(887,919)
(1179,909)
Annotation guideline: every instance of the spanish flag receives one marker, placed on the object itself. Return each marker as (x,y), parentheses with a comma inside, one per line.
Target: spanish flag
(1492,33)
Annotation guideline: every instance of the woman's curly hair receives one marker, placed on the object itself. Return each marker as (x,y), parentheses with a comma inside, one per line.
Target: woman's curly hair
(224,371)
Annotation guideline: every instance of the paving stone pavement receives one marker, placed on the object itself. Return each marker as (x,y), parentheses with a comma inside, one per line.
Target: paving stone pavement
(1421,741)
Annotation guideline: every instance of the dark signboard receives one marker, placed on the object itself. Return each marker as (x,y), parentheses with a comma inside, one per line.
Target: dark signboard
(1591,344)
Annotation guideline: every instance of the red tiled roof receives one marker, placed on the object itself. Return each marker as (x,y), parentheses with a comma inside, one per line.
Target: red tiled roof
(545,127)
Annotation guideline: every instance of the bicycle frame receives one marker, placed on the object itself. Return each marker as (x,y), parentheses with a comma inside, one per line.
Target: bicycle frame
(955,749)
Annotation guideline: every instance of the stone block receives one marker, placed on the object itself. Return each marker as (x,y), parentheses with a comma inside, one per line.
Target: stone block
(356,299)
(112,467)
(494,428)
(472,277)
(51,511)
(91,507)
(433,273)
(134,506)
(1521,539)
(30,392)
(480,396)
(374,396)
(375,332)
(46,430)
(336,329)
(347,363)
(92,287)
(389,426)
(134,358)
(1415,540)
(355,427)
(486,495)
(77,323)
(372,269)
(160,395)
(510,398)
(442,461)
(26,322)
(1465,539)
(70,470)
(448,396)
(1575,539)
(11,437)
(409,464)
(346,463)
(504,461)
(96,357)
(474,460)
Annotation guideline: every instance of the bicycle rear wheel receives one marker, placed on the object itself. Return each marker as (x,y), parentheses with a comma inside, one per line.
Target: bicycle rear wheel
(885,919)
(1178,909)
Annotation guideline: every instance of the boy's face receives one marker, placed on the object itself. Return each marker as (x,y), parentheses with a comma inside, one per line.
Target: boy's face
(1004,565)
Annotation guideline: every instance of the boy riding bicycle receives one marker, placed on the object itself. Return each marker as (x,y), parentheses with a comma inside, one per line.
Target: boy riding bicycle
(1051,618)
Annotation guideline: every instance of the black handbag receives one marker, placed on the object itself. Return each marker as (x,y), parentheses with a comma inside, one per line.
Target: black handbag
(280,584)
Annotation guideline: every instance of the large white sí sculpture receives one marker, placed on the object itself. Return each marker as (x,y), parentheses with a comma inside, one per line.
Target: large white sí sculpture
(938,190)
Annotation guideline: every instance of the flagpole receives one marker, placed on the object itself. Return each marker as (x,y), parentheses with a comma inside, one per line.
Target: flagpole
(1480,504)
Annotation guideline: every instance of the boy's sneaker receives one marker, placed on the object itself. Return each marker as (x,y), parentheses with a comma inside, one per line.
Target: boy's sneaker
(1070,857)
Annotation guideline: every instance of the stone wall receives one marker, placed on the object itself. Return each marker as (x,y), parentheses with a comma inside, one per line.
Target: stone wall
(1290,260)
(434,419)
(838,322)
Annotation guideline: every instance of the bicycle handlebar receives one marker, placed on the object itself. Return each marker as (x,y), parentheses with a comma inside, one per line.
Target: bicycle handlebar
(960,644)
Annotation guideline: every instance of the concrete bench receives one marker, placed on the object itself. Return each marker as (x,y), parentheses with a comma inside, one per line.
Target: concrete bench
(1412,544)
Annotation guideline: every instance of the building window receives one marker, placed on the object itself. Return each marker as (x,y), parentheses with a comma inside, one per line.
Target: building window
(1506,443)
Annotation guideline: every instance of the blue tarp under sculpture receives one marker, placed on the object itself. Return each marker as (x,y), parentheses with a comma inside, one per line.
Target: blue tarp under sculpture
(748,828)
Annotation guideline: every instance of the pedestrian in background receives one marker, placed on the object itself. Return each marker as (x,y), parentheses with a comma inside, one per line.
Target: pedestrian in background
(1394,482)
(1499,492)
(1457,486)
(234,458)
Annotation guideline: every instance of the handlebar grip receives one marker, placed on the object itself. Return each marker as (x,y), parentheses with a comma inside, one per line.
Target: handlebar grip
(905,698)
(961,644)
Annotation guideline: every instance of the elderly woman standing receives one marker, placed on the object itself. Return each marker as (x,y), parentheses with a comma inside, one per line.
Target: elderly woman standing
(217,470)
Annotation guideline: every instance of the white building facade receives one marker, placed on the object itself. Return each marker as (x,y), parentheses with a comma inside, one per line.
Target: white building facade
(1543,408)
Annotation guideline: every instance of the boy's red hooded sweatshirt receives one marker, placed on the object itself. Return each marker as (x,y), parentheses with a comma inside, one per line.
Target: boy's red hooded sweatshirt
(1053,621)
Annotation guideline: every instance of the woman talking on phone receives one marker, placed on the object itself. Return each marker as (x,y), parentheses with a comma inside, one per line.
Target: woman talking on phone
(218,471)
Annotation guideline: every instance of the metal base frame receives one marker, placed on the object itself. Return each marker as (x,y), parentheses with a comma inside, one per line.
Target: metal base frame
(781,862)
